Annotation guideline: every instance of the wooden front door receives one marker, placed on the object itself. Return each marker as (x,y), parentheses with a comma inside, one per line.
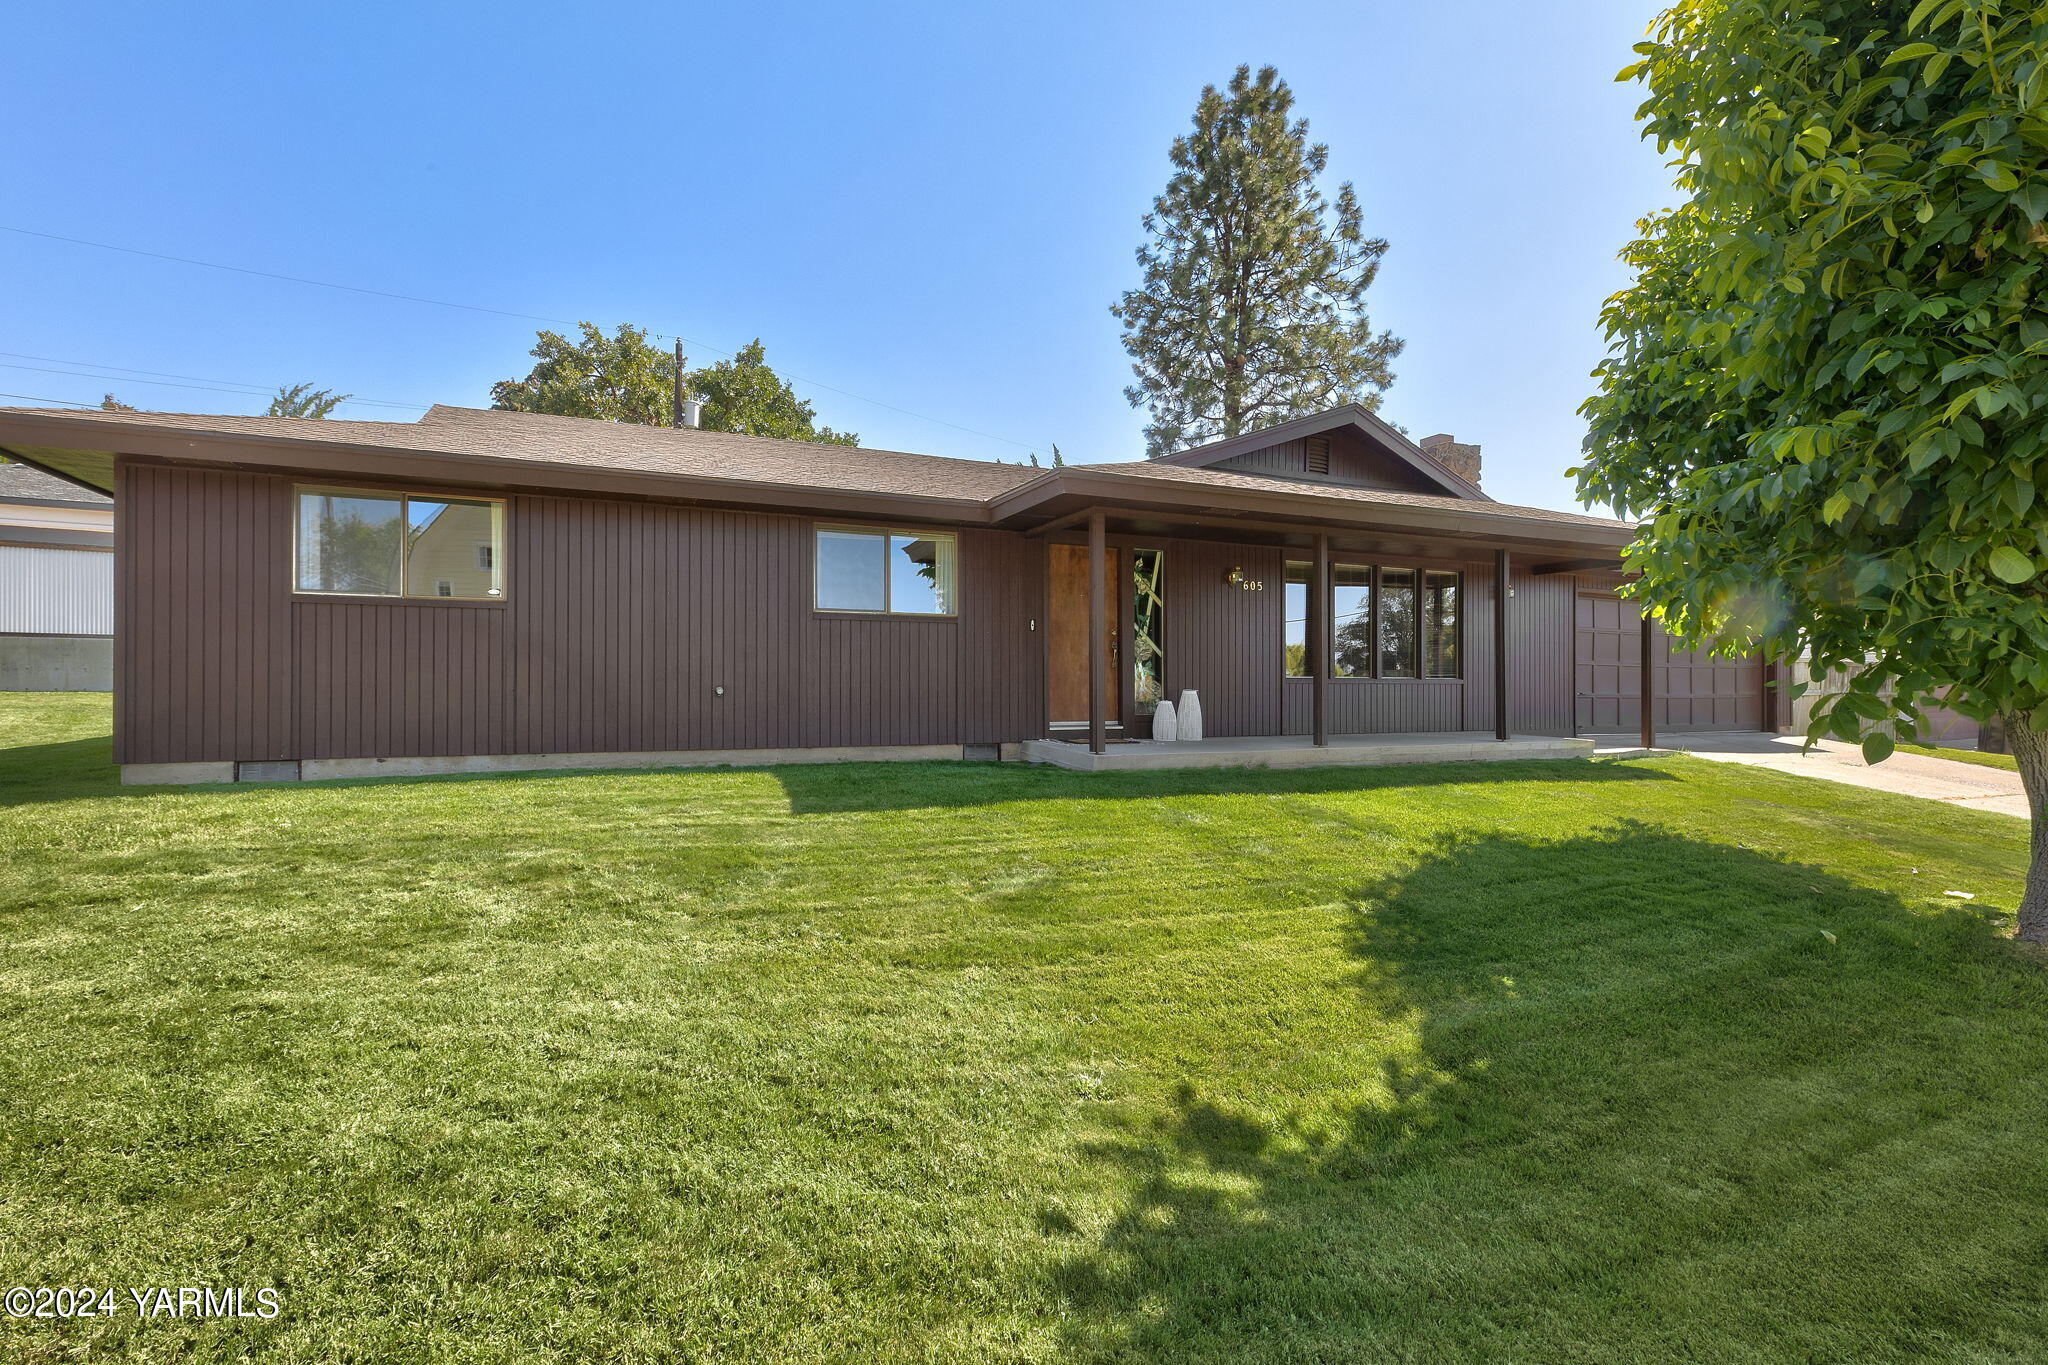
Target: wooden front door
(1066,641)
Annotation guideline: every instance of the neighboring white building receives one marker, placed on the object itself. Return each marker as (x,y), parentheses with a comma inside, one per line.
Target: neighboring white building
(56,584)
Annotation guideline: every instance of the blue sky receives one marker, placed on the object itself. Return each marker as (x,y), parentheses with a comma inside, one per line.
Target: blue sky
(929,206)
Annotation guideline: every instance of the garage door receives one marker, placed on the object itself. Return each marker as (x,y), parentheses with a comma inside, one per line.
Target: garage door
(1694,690)
(1949,729)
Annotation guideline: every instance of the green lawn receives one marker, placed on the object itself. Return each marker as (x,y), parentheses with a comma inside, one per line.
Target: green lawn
(1628,1061)
(1982,760)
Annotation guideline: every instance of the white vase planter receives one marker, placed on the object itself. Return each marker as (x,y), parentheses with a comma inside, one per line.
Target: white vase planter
(1165,727)
(1190,715)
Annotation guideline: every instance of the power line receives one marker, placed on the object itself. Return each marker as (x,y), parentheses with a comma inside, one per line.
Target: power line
(62,402)
(129,376)
(497,312)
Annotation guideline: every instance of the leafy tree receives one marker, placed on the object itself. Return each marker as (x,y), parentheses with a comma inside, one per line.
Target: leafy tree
(744,395)
(1252,309)
(303,400)
(625,378)
(620,378)
(109,403)
(1829,384)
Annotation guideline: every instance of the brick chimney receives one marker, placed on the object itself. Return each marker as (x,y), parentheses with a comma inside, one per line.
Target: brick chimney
(1462,460)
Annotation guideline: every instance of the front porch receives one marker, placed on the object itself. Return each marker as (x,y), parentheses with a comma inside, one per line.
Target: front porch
(1302,751)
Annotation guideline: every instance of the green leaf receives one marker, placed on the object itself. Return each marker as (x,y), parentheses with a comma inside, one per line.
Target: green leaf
(1998,176)
(1836,508)
(2010,565)
(1877,747)
(1910,51)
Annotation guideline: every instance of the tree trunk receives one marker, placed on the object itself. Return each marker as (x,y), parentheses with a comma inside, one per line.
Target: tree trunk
(2030,751)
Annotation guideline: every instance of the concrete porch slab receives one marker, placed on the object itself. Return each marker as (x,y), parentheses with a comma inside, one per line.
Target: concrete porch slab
(1297,751)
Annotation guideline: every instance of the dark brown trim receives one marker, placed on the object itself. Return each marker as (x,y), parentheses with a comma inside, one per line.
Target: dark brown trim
(1321,639)
(1502,590)
(1648,699)
(51,635)
(1137,497)
(1097,622)
(1576,566)
(1062,523)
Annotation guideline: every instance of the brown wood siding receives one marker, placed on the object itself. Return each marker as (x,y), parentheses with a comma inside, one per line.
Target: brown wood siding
(202,631)
(1222,641)
(382,680)
(1380,706)
(1352,462)
(1540,653)
(621,622)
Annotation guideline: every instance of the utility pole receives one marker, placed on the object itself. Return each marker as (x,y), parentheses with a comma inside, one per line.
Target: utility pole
(676,417)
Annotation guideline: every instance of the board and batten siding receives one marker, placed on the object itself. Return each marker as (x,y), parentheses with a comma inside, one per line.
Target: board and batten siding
(622,623)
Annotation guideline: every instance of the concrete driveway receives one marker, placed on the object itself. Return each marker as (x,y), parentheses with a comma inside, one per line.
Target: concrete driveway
(1937,779)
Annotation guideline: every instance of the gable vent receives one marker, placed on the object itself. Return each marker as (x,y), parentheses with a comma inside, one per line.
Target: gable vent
(1318,454)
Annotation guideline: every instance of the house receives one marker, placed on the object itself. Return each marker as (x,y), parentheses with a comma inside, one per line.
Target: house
(482,591)
(56,584)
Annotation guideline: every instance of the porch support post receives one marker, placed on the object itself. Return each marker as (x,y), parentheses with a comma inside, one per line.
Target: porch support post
(1649,687)
(1501,588)
(1098,626)
(1319,640)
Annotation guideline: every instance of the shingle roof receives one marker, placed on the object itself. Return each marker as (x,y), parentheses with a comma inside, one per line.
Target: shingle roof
(1225,478)
(684,451)
(20,481)
(771,462)
(723,454)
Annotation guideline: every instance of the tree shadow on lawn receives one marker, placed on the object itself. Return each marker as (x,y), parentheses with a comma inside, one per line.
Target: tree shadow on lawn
(1639,1107)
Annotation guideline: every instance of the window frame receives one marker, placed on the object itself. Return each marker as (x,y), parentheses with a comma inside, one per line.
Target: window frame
(886,611)
(501,521)
(1422,571)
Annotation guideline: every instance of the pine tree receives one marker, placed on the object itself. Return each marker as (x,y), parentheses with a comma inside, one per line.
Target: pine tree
(303,400)
(1252,309)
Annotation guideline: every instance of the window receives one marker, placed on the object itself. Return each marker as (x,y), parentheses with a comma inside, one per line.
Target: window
(1384,623)
(1148,629)
(1296,609)
(1350,621)
(895,573)
(1397,623)
(378,544)
(1440,624)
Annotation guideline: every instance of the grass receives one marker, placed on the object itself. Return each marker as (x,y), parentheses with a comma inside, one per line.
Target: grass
(1635,1060)
(1981,760)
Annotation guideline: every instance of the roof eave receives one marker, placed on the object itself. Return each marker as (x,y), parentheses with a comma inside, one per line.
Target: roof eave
(302,456)
(1162,495)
